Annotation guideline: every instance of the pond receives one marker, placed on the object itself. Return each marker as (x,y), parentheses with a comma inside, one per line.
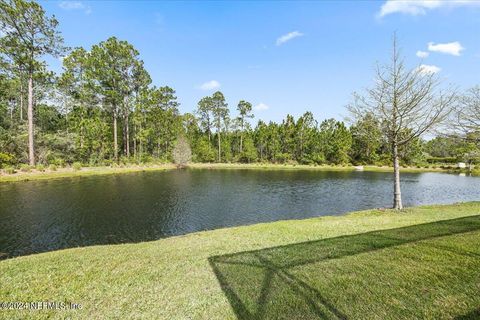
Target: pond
(38,216)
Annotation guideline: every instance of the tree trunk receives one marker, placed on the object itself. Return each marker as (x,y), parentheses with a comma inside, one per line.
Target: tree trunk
(135,141)
(219,150)
(124,144)
(21,100)
(115,138)
(397,195)
(31,150)
(11,113)
(140,143)
(127,130)
(241,143)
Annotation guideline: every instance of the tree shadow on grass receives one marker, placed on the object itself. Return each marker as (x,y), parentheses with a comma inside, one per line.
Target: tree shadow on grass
(261,284)
(472,315)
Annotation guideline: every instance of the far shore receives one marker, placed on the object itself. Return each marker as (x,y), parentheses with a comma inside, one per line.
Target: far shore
(67,172)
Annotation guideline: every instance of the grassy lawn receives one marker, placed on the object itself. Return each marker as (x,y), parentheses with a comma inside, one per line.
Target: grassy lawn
(422,263)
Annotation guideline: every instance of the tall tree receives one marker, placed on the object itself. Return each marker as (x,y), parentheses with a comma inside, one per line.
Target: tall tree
(28,35)
(367,138)
(261,133)
(306,127)
(408,103)
(113,66)
(220,117)
(204,112)
(244,109)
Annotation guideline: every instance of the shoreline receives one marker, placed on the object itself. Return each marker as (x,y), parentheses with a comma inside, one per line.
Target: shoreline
(68,172)
(85,171)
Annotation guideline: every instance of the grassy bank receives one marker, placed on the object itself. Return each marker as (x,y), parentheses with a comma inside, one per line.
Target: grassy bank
(85,171)
(421,263)
(88,171)
(273,166)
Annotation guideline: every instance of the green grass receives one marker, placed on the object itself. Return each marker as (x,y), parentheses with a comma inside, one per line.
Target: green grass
(421,263)
(58,173)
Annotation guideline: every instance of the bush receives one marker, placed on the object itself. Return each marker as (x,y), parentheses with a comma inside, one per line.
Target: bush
(77,166)
(441,160)
(283,157)
(40,167)
(53,167)
(25,167)
(59,162)
(145,158)
(307,161)
(6,159)
(9,170)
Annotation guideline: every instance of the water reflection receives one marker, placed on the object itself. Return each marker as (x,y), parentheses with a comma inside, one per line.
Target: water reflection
(47,215)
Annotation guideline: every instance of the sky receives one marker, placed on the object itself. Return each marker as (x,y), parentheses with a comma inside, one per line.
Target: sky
(283,57)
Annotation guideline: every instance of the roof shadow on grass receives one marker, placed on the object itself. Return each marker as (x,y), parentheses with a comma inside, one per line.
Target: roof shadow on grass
(260,284)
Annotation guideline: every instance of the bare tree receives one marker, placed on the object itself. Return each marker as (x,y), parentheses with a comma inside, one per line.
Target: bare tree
(467,112)
(182,153)
(408,103)
(465,125)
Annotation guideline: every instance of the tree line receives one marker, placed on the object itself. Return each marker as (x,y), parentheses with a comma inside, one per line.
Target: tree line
(103,109)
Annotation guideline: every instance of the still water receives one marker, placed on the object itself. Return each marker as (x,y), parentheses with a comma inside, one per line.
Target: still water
(47,215)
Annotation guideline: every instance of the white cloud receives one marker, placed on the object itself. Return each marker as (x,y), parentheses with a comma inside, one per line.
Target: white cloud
(289,36)
(261,106)
(422,54)
(210,85)
(453,48)
(420,7)
(75,5)
(427,69)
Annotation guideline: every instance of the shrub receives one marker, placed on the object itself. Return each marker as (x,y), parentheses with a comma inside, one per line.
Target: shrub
(77,166)
(9,170)
(53,167)
(40,167)
(6,159)
(25,167)
(59,162)
(145,158)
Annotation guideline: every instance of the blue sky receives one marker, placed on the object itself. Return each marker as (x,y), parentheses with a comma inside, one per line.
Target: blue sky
(283,57)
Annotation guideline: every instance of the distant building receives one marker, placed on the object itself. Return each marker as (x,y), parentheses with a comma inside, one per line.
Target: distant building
(461,165)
